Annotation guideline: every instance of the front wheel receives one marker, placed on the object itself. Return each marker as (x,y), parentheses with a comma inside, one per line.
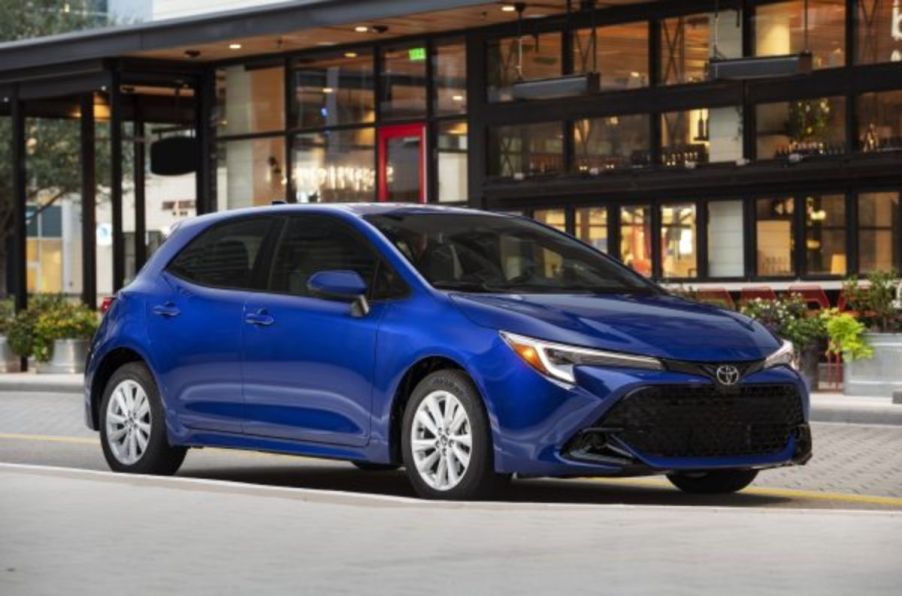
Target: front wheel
(133,426)
(713,482)
(446,442)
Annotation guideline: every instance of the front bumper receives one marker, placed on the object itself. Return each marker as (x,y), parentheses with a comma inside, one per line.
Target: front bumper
(616,422)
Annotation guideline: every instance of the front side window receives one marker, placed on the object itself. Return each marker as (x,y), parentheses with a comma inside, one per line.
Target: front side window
(315,243)
(488,253)
(223,256)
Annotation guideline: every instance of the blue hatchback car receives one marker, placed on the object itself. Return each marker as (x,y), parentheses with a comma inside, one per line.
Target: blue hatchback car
(465,346)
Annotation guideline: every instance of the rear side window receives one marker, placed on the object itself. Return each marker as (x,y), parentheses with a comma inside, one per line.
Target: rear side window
(223,256)
(315,243)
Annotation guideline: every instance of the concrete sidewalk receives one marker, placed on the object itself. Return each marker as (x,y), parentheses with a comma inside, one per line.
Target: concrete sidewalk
(825,406)
(93,533)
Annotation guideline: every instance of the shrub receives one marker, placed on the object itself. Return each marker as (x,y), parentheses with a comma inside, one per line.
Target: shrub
(874,303)
(7,314)
(789,318)
(48,318)
(846,336)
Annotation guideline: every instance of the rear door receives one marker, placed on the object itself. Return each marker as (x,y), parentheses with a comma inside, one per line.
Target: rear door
(195,323)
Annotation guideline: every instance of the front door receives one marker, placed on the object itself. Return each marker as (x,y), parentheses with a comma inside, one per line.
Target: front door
(402,163)
(308,362)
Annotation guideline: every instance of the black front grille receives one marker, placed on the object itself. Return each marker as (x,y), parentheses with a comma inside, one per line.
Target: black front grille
(700,421)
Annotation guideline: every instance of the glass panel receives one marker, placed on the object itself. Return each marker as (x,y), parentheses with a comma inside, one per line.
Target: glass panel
(825,235)
(450,67)
(621,56)
(250,99)
(687,44)
(334,166)
(780,30)
(541,60)
(701,136)
(250,172)
(403,176)
(804,127)
(726,239)
(880,121)
(678,241)
(224,256)
(879,34)
(611,143)
(556,218)
(879,238)
(334,89)
(452,161)
(635,238)
(404,81)
(523,150)
(592,226)
(775,236)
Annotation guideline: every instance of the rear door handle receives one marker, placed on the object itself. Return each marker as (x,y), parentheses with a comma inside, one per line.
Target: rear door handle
(167,310)
(260,318)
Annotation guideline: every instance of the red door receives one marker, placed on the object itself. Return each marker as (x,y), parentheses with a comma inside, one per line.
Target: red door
(402,163)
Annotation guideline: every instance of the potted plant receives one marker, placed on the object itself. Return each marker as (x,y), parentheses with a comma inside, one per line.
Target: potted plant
(9,362)
(874,306)
(789,318)
(55,332)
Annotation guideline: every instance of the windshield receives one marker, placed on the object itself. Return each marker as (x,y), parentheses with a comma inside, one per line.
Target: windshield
(489,253)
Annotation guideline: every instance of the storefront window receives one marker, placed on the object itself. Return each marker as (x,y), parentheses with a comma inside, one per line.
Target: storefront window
(775,237)
(726,239)
(555,218)
(780,30)
(333,89)
(403,78)
(880,121)
(592,227)
(524,150)
(450,67)
(621,55)
(250,99)
(879,32)
(611,143)
(687,45)
(679,258)
(541,60)
(704,135)
(825,235)
(334,166)
(805,127)
(452,161)
(250,172)
(635,238)
(879,231)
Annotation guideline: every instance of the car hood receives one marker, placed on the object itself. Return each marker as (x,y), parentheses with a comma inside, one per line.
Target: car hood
(655,325)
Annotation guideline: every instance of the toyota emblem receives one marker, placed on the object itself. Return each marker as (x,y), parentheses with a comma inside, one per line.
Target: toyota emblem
(727,375)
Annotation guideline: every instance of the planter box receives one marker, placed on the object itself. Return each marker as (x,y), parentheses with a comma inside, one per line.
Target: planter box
(880,375)
(69,357)
(9,362)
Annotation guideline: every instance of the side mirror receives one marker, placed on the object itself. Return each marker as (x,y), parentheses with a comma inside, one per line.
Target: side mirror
(341,286)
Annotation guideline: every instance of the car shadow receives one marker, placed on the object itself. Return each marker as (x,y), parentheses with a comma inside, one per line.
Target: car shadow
(346,478)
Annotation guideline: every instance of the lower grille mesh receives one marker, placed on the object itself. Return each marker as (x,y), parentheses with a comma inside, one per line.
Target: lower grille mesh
(700,421)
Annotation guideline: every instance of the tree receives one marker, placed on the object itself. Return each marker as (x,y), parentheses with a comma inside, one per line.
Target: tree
(52,144)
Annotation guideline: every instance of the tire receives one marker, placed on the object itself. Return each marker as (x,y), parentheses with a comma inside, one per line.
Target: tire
(468,470)
(123,412)
(714,482)
(371,467)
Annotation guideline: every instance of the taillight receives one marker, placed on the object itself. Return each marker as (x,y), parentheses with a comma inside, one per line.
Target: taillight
(107,304)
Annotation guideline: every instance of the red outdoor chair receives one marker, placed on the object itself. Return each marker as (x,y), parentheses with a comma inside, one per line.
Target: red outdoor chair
(813,296)
(749,293)
(716,296)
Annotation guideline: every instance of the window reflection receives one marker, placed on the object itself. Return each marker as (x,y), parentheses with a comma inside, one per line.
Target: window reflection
(803,127)
(611,143)
(774,236)
(592,226)
(780,30)
(678,241)
(635,238)
(555,218)
(825,235)
(879,227)
(621,55)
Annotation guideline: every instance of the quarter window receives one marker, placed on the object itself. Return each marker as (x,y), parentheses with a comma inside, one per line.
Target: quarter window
(223,256)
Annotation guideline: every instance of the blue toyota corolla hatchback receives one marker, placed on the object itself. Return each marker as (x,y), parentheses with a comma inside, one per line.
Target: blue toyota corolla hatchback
(462,345)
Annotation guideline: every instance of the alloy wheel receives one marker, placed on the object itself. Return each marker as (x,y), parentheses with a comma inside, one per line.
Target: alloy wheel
(128,422)
(441,440)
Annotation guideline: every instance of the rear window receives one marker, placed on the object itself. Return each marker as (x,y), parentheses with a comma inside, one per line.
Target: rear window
(223,256)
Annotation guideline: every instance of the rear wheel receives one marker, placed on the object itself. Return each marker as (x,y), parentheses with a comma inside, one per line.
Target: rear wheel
(446,443)
(713,482)
(133,426)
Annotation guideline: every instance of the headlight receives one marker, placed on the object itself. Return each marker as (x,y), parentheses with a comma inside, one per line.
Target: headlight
(557,360)
(784,356)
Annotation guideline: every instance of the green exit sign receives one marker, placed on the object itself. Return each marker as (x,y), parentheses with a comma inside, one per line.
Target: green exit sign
(416,54)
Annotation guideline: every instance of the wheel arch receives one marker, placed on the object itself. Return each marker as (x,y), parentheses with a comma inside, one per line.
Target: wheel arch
(112,361)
